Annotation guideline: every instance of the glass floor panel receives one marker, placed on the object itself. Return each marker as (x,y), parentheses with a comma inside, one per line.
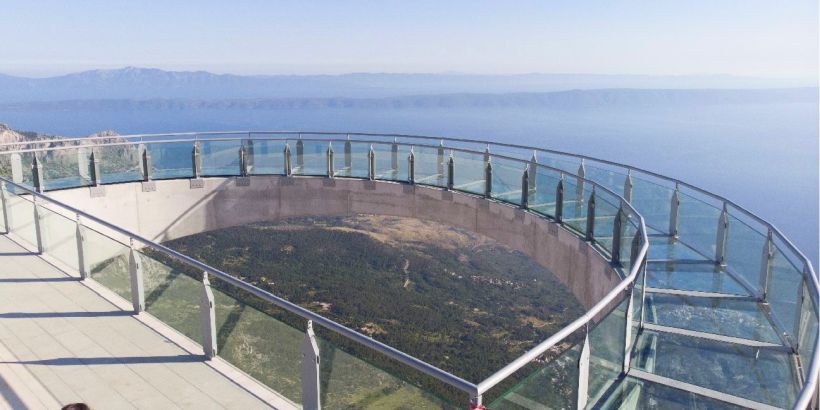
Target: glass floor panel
(667,248)
(698,277)
(762,375)
(727,317)
(633,394)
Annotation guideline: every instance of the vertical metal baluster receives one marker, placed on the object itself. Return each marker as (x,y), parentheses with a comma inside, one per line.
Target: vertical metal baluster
(207,316)
(617,233)
(311,389)
(628,186)
(559,199)
(590,234)
(450,171)
(38,225)
(371,163)
(243,158)
(37,173)
(348,157)
(196,160)
(300,155)
(95,168)
(411,167)
(286,154)
(16,168)
(146,163)
(525,189)
(440,164)
(82,264)
(766,265)
(249,156)
(674,211)
(330,159)
(394,158)
(722,234)
(4,199)
(136,274)
(579,186)
(488,179)
(628,329)
(797,331)
(583,372)
(533,173)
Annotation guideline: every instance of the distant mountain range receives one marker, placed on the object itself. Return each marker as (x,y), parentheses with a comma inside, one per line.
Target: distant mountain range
(134,83)
(570,100)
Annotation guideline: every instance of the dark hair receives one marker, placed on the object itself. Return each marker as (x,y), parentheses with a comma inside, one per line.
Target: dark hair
(76,406)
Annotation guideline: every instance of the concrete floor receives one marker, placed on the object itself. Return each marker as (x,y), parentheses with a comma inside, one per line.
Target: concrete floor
(61,341)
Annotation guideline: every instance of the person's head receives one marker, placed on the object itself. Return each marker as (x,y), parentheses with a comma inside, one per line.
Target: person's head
(76,406)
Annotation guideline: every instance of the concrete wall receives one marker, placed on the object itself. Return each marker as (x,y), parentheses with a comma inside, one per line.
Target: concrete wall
(175,209)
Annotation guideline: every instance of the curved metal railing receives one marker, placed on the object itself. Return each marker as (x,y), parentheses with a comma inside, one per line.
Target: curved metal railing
(667,200)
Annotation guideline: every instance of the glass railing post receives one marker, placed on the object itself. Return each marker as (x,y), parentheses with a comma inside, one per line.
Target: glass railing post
(207,316)
(196,160)
(145,162)
(136,275)
(450,171)
(440,164)
(617,232)
(722,233)
(94,168)
(394,157)
(673,211)
(348,156)
(628,186)
(766,265)
(16,168)
(559,199)
(37,173)
(411,167)
(38,225)
(79,234)
(525,189)
(371,163)
(583,373)
(488,179)
(310,370)
(5,205)
(590,234)
(286,154)
(300,154)
(533,173)
(330,159)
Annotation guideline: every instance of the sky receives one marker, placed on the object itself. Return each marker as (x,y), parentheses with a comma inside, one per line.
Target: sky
(761,38)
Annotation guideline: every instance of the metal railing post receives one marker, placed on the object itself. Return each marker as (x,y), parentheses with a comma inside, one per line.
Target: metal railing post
(5,205)
(348,156)
(579,184)
(82,164)
(146,163)
(311,390)
(674,207)
(411,167)
(38,225)
(249,156)
(450,171)
(94,168)
(628,186)
(330,159)
(617,233)
(440,164)
(559,199)
(722,234)
(286,154)
(525,189)
(590,233)
(243,164)
(207,315)
(533,173)
(477,402)
(583,373)
(488,180)
(82,264)
(37,173)
(371,163)
(300,155)
(394,157)
(797,331)
(766,257)
(137,284)
(16,168)
(628,330)
(196,160)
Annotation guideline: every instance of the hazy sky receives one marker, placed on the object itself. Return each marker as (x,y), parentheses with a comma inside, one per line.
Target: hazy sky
(743,37)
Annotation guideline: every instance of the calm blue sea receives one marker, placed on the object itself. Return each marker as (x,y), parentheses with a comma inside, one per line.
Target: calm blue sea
(762,156)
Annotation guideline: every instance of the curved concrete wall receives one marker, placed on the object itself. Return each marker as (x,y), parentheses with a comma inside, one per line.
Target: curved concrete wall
(175,209)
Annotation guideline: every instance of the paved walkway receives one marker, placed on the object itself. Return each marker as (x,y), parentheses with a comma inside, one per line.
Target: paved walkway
(62,342)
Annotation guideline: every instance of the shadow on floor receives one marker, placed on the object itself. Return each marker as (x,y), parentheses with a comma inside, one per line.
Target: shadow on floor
(39,280)
(86,361)
(31,315)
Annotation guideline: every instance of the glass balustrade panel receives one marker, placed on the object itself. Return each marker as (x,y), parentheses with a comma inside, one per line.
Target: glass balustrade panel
(119,163)
(698,224)
(654,202)
(21,217)
(391,166)
(744,251)
(313,158)
(171,160)
(220,158)
(606,210)
(543,186)
(430,165)
(107,261)
(268,157)
(606,351)
(507,179)
(60,238)
(353,163)
(65,168)
(469,170)
(172,292)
